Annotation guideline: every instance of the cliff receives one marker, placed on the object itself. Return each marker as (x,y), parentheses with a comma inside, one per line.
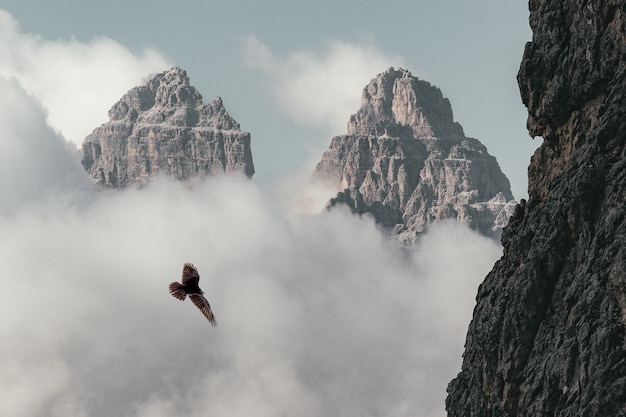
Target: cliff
(164,128)
(406,161)
(548,335)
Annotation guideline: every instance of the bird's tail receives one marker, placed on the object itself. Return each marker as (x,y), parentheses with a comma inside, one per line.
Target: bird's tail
(177,291)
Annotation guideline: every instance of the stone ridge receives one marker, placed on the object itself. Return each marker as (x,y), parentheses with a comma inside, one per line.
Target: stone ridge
(548,335)
(407,162)
(163,127)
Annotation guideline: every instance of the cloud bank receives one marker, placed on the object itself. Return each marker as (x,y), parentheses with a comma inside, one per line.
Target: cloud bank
(320,90)
(35,162)
(325,317)
(75,81)
(319,314)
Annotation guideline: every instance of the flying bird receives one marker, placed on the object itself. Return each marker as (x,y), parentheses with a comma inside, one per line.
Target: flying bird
(189,287)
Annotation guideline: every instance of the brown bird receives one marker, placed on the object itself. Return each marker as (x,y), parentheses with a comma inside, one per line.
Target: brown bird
(190,287)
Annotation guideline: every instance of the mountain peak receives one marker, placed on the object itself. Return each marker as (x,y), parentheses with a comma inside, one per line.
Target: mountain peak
(406,161)
(174,89)
(397,98)
(164,127)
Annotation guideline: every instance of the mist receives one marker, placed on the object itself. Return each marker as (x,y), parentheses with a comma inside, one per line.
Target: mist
(323,316)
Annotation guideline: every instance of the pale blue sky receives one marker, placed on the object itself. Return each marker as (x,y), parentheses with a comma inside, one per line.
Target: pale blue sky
(470,50)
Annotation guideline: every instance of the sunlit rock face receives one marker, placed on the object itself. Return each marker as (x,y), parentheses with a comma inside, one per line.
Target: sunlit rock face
(161,128)
(548,336)
(406,161)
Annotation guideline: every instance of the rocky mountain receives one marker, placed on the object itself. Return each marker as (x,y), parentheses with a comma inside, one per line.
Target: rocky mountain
(548,335)
(406,161)
(163,127)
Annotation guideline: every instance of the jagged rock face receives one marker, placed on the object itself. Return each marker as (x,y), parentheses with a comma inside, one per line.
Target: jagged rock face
(548,336)
(408,163)
(164,128)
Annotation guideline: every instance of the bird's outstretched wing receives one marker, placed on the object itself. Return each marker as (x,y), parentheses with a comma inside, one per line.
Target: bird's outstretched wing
(190,274)
(203,305)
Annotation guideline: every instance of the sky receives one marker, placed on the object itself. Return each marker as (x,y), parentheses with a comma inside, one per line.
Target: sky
(319,312)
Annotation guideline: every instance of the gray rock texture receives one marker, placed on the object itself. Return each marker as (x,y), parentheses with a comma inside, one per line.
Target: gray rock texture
(406,161)
(548,335)
(164,128)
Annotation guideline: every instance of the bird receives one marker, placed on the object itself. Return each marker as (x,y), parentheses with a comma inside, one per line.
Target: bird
(189,287)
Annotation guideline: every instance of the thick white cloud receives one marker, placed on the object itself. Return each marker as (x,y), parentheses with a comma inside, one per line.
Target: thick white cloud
(319,317)
(35,162)
(322,90)
(77,82)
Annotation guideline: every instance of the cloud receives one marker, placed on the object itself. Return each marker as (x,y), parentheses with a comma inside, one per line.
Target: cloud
(320,314)
(77,82)
(35,162)
(321,90)
(320,317)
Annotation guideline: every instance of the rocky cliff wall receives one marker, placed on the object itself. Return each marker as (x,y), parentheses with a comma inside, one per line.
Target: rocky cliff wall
(164,128)
(548,335)
(406,161)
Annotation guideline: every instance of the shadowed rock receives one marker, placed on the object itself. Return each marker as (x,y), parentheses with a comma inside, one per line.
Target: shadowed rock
(548,336)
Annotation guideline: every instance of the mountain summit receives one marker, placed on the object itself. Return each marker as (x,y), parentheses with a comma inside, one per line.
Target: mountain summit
(406,161)
(163,127)
(396,97)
